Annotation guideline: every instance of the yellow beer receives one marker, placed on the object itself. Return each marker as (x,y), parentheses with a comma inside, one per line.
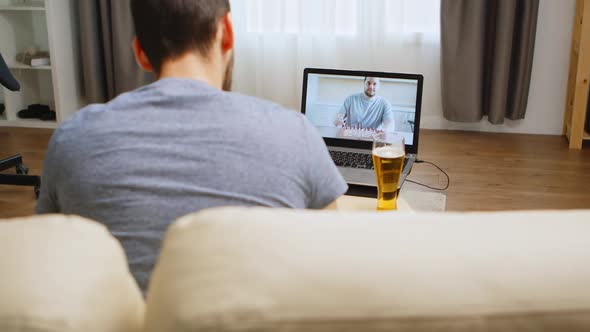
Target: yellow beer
(388,161)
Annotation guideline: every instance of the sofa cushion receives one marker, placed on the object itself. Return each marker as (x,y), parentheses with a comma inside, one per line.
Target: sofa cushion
(61,273)
(284,270)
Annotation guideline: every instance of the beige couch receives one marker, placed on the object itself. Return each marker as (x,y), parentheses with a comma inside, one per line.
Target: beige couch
(282,270)
(65,274)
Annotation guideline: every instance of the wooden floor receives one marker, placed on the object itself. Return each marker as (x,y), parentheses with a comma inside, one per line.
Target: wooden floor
(31,144)
(488,171)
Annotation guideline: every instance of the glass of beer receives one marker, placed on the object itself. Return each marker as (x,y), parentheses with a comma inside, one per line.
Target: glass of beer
(388,159)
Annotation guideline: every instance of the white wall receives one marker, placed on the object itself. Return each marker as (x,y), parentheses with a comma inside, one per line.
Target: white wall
(335,89)
(546,103)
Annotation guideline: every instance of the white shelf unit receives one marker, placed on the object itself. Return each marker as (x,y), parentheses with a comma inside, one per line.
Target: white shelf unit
(24,7)
(48,25)
(22,66)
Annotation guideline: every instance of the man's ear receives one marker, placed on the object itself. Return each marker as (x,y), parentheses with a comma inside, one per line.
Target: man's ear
(140,56)
(227,33)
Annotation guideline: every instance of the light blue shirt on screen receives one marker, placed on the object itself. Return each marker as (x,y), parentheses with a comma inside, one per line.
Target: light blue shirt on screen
(362,111)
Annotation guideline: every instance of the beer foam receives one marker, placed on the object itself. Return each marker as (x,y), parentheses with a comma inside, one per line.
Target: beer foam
(389,152)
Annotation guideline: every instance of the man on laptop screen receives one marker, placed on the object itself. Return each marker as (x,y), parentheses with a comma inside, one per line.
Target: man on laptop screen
(367,110)
(335,106)
(349,107)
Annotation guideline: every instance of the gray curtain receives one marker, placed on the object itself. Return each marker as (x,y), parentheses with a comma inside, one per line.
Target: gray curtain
(106,33)
(487,55)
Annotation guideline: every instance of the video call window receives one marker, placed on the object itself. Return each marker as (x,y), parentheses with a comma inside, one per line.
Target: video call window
(351,107)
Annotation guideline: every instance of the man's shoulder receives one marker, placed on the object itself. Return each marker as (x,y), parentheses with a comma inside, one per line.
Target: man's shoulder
(355,96)
(77,123)
(251,103)
(89,117)
(269,117)
(382,100)
(262,110)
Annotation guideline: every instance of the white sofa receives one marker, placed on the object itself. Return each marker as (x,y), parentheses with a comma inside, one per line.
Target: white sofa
(284,270)
(65,274)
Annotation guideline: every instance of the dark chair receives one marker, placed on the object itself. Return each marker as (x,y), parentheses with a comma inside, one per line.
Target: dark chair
(20,178)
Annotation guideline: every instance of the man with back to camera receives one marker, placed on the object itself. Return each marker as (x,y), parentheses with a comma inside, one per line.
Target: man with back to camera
(183,143)
(366,110)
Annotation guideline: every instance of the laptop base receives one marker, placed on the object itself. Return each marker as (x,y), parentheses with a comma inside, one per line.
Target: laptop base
(361,191)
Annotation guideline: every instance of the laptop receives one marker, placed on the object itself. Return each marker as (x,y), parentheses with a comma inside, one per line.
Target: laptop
(338,103)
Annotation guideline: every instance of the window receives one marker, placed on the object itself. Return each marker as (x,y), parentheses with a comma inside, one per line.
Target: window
(277,39)
(340,17)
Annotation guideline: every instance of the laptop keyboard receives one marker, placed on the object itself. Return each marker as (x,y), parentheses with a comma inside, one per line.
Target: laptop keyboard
(354,160)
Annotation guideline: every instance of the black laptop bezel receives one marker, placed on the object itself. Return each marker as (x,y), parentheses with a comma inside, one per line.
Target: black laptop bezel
(339,142)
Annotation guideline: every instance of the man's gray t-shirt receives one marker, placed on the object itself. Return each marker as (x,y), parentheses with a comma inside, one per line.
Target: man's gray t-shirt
(175,147)
(362,111)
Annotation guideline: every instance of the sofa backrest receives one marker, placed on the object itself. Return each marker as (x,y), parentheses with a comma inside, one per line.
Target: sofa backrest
(64,274)
(284,270)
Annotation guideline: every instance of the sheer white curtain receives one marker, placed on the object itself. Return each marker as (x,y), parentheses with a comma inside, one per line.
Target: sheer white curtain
(277,39)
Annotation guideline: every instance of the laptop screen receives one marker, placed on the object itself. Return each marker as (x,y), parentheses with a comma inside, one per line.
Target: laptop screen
(348,107)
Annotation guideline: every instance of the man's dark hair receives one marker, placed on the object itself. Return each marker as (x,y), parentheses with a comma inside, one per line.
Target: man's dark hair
(169,28)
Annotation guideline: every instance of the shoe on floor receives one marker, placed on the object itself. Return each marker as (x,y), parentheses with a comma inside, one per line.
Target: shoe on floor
(35,111)
(29,114)
(48,116)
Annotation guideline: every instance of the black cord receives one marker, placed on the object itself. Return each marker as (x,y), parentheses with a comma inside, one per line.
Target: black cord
(429,187)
